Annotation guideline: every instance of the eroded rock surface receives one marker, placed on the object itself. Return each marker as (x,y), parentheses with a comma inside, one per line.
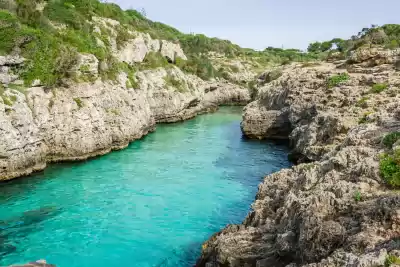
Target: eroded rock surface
(92,118)
(335,210)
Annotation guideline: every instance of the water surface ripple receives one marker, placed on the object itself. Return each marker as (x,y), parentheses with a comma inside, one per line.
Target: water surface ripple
(152,204)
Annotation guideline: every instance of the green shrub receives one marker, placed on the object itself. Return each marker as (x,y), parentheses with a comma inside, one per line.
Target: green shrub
(112,70)
(390,168)
(390,139)
(48,60)
(379,87)
(123,36)
(7,101)
(154,60)
(175,83)
(130,71)
(26,10)
(336,80)
(391,259)
(10,31)
(200,66)
(357,196)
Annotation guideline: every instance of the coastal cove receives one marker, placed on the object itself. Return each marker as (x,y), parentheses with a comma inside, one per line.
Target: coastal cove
(151,204)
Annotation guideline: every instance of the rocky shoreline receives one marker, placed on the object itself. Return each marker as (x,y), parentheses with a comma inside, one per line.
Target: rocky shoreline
(333,208)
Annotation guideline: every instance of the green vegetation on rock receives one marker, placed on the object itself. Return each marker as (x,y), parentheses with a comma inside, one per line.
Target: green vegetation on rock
(392,260)
(357,196)
(176,83)
(390,139)
(379,87)
(50,40)
(338,79)
(79,102)
(154,60)
(390,168)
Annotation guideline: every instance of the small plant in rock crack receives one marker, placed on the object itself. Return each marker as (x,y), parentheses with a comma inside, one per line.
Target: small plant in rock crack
(379,87)
(357,196)
(389,167)
(336,80)
(391,260)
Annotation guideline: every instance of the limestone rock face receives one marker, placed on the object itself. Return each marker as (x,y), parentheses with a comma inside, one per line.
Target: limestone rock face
(336,210)
(22,149)
(6,63)
(87,64)
(134,51)
(89,119)
(169,104)
(172,51)
(373,56)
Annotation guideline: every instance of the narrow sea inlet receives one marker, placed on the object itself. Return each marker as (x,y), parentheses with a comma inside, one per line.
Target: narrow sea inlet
(152,204)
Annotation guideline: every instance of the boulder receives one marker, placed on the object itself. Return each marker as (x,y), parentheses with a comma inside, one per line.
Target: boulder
(134,51)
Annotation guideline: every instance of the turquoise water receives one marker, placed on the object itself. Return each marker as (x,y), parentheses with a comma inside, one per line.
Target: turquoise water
(152,204)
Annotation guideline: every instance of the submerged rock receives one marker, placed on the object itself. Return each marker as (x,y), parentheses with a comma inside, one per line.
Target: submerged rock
(39,263)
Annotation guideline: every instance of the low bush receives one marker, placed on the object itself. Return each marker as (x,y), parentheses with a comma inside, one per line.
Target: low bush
(336,80)
(130,71)
(390,168)
(154,60)
(390,139)
(357,196)
(379,87)
(392,260)
(123,36)
(177,84)
(200,66)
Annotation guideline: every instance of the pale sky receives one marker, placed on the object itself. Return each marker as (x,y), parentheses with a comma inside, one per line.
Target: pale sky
(261,23)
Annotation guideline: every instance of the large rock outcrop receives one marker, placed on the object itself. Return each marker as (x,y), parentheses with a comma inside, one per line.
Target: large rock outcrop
(89,116)
(87,119)
(336,210)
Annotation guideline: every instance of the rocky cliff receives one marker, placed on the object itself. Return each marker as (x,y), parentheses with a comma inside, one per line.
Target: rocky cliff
(85,115)
(339,206)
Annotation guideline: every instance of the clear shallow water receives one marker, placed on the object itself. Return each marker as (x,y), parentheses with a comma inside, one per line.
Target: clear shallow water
(152,204)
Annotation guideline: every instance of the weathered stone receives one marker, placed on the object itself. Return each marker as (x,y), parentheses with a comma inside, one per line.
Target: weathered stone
(90,119)
(134,51)
(11,60)
(336,210)
(172,51)
(87,64)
